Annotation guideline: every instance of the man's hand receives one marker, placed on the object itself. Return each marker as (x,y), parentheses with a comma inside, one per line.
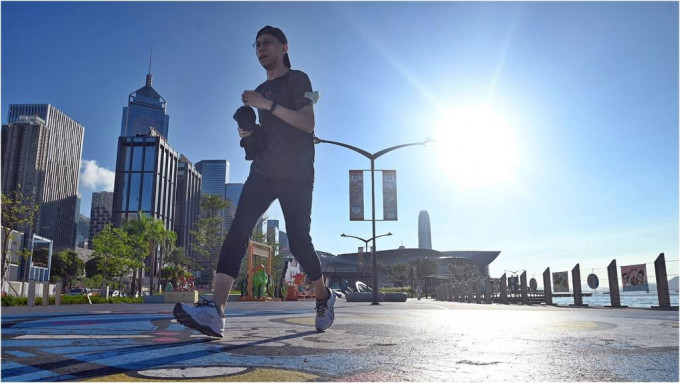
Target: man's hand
(254,99)
(244,133)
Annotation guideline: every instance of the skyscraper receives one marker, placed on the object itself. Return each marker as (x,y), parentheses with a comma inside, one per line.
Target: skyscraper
(146,171)
(233,193)
(215,174)
(187,205)
(146,108)
(101,212)
(41,151)
(424,236)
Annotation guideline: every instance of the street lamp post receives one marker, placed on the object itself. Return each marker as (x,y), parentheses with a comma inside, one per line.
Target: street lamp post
(372,157)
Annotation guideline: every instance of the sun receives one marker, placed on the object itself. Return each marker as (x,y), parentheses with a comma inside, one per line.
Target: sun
(476,146)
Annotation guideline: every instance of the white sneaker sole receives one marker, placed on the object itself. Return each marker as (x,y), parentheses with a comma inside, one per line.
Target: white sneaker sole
(186,320)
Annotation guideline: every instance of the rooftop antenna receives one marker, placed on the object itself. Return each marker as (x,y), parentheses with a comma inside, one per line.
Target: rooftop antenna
(148,76)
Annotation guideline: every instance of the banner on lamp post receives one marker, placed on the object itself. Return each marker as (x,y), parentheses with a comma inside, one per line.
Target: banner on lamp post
(356,195)
(389,184)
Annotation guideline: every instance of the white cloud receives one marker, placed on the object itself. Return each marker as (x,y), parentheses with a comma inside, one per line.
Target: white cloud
(94,177)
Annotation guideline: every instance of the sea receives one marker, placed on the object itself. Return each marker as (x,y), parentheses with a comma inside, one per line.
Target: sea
(630,299)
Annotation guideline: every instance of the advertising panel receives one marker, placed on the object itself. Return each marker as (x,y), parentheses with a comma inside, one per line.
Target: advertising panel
(634,278)
(561,282)
(389,195)
(356,195)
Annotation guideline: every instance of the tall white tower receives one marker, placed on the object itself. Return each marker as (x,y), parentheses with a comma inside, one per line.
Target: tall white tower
(424,236)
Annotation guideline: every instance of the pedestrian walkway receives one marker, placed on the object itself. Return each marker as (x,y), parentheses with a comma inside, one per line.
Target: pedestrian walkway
(422,340)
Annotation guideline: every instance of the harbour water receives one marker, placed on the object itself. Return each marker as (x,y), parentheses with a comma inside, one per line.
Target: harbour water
(636,299)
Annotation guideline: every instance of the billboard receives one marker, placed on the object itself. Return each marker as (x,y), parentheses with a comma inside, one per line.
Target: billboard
(634,278)
(356,195)
(561,282)
(389,183)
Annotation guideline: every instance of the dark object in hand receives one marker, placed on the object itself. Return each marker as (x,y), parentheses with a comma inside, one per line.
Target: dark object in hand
(245,118)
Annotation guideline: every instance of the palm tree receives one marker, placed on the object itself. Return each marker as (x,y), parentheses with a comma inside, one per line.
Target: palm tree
(154,230)
(167,244)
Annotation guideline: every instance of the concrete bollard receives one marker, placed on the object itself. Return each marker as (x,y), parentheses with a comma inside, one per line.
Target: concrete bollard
(524,289)
(547,287)
(46,294)
(662,284)
(578,293)
(612,275)
(504,289)
(31,294)
(104,291)
(57,293)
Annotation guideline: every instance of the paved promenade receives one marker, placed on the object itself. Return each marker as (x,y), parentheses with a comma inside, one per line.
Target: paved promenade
(276,341)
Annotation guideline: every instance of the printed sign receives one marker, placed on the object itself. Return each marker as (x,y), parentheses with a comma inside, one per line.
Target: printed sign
(389,195)
(593,281)
(356,195)
(533,285)
(634,278)
(561,282)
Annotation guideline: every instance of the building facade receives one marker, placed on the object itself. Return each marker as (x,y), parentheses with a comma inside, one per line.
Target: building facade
(233,193)
(215,175)
(100,214)
(146,171)
(146,108)
(424,234)
(187,206)
(41,151)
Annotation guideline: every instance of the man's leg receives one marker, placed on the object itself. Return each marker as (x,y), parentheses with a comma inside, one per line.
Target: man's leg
(208,317)
(296,204)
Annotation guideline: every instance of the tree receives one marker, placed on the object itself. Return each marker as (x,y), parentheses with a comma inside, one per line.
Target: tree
(167,243)
(67,266)
(113,248)
(18,211)
(208,235)
(425,268)
(139,248)
(154,232)
(399,273)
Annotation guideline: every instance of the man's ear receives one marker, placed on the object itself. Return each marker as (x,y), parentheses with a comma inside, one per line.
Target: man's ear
(285,48)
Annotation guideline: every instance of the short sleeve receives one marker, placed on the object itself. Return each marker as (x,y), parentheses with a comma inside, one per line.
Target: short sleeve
(301,85)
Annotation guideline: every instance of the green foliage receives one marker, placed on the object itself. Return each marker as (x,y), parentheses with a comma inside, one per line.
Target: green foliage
(10,300)
(399,273)
(66,266)
(112,249)
(208,235)
(18,211)
(425,267)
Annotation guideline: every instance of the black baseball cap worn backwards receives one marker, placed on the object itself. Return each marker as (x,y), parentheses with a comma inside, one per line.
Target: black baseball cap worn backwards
(276,32)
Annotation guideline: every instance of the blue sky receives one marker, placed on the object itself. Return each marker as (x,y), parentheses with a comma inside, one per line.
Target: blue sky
(556,123)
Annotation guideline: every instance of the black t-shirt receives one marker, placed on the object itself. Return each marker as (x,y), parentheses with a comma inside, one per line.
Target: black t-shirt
(288,152)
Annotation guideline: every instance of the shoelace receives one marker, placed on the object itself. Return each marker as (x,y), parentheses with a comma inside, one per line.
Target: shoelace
(321,308)
(205,303)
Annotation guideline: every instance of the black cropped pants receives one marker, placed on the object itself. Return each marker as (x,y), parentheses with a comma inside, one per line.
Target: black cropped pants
(258,194)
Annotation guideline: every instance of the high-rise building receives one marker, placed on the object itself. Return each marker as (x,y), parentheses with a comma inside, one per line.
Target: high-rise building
(41,151)
(272,230)
(82,230)
(215,174)
(284,244)
(146,171)
(187,206)
(146,165)
(101,212)
(424,235)
(146,108)
(233,193)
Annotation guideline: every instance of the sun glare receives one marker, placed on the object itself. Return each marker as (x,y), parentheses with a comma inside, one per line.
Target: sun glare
(476,146)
